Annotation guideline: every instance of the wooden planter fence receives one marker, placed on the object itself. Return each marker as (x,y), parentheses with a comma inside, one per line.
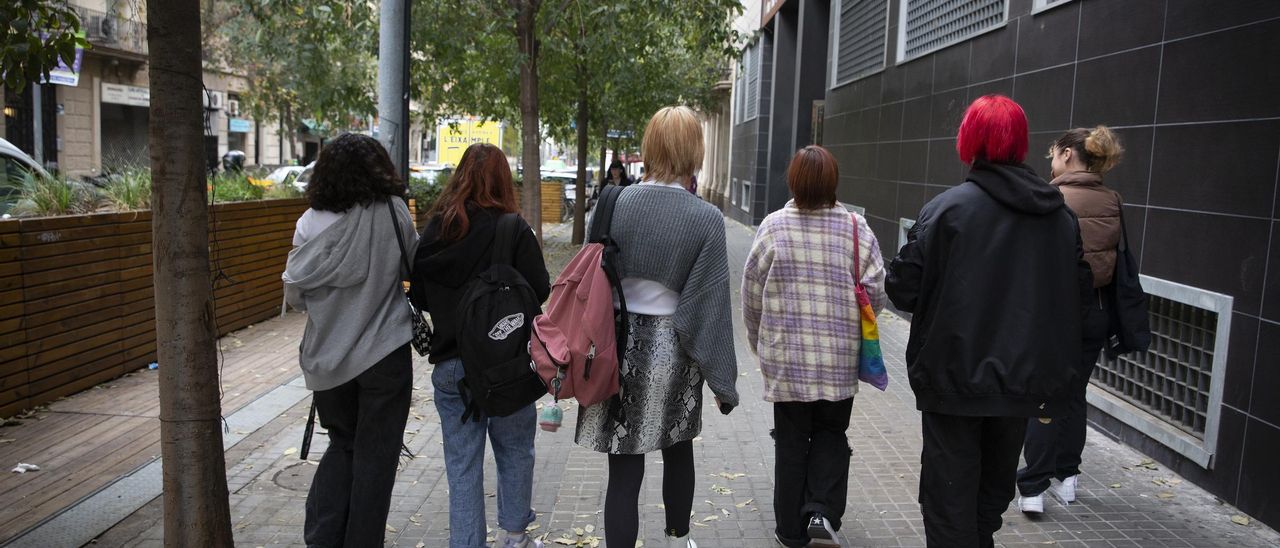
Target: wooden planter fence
(77,301)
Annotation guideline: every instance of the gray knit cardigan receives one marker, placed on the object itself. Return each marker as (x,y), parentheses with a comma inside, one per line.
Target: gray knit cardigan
(669,236)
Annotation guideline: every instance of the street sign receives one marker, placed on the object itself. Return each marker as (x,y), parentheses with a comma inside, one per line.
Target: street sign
(126,95)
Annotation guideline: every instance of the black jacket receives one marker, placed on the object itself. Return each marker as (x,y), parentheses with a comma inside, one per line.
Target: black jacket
(441,271)
(994,276)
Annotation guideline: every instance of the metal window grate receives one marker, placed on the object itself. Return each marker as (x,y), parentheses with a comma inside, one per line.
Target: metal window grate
(752,60)
(1041,5)
(860,41)
(935,24)
(1173,379)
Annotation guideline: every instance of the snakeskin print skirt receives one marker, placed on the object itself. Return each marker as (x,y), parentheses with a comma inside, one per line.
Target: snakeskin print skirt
(661,399)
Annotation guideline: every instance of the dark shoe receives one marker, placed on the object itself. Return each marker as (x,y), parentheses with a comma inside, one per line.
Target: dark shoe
(821,533)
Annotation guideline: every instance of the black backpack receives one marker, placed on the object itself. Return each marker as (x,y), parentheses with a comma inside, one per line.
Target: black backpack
(495,320)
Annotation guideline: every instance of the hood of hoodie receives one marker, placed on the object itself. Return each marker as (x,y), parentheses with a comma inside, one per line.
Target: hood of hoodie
(452,264)
(341,255)
(1078,178)
(1016,186)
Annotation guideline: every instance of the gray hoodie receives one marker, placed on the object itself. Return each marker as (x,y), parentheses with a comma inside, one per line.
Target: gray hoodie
(348,281)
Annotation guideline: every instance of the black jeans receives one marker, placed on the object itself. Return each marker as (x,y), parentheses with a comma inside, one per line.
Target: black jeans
(1053,450)
(967,472)
(351,493)
(811,474)
(626,474)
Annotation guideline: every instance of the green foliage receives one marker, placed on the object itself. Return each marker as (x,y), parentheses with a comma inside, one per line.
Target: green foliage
(25,55)
(282,192)
(41,196)
(312,59)
(233,187)
(427,191)
(128,189)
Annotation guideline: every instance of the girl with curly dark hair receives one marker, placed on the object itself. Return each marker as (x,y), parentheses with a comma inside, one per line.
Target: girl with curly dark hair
(345,272)
(456,246)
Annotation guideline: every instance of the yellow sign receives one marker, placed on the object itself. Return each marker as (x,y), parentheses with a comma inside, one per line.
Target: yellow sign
(453,141)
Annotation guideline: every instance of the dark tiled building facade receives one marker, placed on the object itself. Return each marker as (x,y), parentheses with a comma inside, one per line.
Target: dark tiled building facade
(1192,88)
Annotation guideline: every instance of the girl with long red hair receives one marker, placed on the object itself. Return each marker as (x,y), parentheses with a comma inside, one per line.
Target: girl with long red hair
(455,246)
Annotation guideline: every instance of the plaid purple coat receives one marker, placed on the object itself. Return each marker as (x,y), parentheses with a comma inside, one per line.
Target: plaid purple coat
(799,305)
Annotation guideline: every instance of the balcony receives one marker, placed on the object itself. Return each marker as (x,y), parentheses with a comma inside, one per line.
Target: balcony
(111,34)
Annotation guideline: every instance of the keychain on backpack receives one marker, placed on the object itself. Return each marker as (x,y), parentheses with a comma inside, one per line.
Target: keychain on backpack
(550,418)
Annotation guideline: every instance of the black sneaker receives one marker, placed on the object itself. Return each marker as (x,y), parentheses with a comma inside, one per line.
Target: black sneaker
(821,533)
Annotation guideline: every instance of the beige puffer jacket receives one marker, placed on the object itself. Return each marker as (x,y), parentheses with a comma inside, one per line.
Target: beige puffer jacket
(1098,209)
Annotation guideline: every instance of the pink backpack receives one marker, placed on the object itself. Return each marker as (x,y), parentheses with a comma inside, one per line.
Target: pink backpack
(575,343)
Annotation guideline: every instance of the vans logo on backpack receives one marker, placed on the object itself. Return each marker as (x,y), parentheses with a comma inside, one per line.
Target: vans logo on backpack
(506,326)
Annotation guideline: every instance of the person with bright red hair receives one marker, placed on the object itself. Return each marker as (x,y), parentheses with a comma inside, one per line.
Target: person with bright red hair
(994,277)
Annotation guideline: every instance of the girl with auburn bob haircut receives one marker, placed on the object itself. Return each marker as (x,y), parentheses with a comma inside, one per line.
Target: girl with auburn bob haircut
(456,246)
(810,251)
(812,178)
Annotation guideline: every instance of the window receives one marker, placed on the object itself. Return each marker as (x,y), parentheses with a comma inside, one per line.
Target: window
(1173,392)
(1041,5)
(930,25)
(751,64)
(733,191)
(861,30)
(746,195)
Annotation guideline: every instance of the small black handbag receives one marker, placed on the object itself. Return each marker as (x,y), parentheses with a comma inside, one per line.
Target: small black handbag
(421,327)
(1128,325)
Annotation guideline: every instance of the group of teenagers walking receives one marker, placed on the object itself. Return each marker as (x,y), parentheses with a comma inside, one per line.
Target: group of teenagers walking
(1006,277)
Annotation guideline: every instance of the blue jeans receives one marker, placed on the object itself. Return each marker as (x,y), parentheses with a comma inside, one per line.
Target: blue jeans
(512,438)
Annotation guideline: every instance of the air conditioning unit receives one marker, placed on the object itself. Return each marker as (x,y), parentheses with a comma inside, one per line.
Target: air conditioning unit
(107,29)
(214,100)
(233,107)
(94,28)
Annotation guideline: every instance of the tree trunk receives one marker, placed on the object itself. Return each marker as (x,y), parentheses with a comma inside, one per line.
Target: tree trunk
(604,151)
(526,35)
(580,197)
(195,481)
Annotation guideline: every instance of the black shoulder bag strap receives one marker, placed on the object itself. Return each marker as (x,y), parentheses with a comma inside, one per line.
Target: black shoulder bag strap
(395,222)
(601,225)
(504,239)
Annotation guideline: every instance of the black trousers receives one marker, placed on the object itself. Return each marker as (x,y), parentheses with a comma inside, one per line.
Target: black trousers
(967,472)
(365,417)
(626,474)
(811,474)
(1053,450)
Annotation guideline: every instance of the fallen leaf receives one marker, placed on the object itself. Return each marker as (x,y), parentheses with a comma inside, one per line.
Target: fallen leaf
(745,503)
(290,451)
(725,512)
(1240,520)
(590,528)
(391,529)
(1115,486)
(1165,495)
(535,527)
(420,545)
(7,441)
(578,531)
(711,518)
(565,541)
(699,524)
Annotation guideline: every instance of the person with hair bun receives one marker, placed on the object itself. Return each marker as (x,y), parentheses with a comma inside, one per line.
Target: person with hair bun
(1080,158)
(993,275)
(809,252)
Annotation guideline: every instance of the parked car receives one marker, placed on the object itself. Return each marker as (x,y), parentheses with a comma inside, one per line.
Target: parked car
(300,182)
(14,164)
(284,175)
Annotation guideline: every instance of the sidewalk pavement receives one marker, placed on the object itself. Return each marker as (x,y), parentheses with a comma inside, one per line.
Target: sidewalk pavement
(1124,499)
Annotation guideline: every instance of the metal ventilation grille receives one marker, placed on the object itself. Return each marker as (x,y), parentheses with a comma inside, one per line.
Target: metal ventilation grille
(752,61)
(1171,380)
(860,49)
(935,24)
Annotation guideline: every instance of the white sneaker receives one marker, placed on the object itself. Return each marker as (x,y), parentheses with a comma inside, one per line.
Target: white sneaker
(524,541)
(681,542)
(1067,491)
(821,533)
(1031,505)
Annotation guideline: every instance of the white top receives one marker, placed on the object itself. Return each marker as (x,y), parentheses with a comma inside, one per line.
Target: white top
(647,296)
(312,223)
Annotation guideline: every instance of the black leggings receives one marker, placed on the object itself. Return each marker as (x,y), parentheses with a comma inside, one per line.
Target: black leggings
(626,472)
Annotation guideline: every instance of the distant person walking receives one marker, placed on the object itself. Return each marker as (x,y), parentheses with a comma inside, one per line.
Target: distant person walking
(993,275)
(799,306)
(675,278)
(456,246)
(345,273)
(617,175)
(1080,158)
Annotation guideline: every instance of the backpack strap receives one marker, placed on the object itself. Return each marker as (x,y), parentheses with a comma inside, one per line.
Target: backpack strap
(603,219)
(504,239)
